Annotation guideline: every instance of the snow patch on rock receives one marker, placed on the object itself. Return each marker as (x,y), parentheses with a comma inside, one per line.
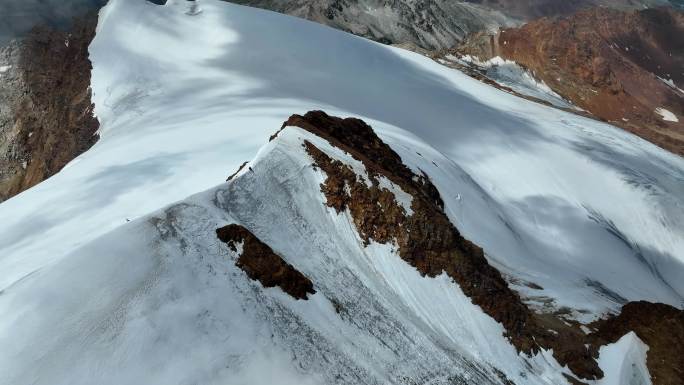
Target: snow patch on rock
(510,74)
(403,198)
(624,362)
(666,115)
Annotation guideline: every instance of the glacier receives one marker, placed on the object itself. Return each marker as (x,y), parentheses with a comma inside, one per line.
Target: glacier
(579,215)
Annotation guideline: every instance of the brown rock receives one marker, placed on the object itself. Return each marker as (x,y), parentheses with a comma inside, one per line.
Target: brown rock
(605,61)
(262,264)
(47,119)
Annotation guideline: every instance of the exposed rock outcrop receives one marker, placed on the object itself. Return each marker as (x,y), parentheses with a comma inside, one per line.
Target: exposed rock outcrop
(427,240)
(261,263)
(46,113)
(624,67)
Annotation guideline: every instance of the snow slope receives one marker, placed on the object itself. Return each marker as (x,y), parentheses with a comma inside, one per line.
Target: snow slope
(580,208)
(624,362)
(165,284)
(509,74)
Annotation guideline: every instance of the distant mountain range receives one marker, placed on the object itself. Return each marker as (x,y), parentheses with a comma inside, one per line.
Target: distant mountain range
(431,24)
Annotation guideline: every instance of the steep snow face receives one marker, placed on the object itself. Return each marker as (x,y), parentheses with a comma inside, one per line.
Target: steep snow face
(176,92)
(509,74)
(160,300)
(624,362)
(585,211)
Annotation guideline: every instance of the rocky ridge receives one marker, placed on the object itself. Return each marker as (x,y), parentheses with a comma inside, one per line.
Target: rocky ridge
(426,239)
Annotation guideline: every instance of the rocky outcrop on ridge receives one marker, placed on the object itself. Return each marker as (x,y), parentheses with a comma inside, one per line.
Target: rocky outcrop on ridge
(261,263)
(424,237)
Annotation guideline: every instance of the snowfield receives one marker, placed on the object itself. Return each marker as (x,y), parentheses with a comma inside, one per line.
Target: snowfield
(666,115)
(624,362)
(510,74)
(111,272)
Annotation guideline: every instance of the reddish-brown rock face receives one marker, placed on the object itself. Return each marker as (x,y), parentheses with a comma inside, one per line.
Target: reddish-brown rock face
(46,113)
(606,62)
(261,263)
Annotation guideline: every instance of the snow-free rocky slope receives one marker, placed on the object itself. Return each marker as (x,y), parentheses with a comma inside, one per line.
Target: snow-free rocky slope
(46,112)
(112,271)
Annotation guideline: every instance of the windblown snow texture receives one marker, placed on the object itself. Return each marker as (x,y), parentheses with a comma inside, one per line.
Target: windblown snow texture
(578,214)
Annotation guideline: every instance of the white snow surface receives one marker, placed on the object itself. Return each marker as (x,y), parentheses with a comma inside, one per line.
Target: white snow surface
(666,115)
(588,212)
(163,302)
(670,83)
(510,74)
(624,362)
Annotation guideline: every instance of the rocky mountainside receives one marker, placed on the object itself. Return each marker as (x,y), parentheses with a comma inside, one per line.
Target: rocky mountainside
(430,24)
(46,113)
(622,66)
(427,24)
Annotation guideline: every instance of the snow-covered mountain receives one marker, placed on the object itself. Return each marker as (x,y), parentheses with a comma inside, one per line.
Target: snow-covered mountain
(112,271)
(432,24)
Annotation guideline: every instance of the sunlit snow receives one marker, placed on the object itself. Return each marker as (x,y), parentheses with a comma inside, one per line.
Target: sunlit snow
(508,73)
(624,362)
(666,115)
(584,210)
